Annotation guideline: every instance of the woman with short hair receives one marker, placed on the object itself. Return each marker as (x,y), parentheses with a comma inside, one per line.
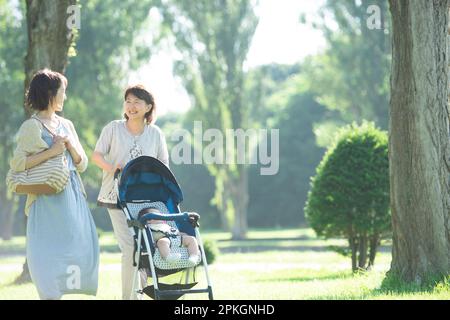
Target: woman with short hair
(120,142)
(62,242)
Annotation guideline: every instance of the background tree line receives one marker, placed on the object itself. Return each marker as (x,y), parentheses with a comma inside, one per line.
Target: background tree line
(296,98)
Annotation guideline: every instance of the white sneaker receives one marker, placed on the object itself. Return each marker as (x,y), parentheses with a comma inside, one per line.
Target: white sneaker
(173,258)
(193,260)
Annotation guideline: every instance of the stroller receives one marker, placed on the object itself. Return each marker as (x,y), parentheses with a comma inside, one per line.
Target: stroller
(145,183)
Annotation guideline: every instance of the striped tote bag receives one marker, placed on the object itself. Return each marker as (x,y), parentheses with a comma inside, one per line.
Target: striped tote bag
(49,177)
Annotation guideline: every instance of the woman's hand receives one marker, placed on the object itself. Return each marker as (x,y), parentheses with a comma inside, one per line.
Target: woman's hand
(68,143)
(76,157)
(193,219)
(57,148)
(59,145)
(108,167)
(114,168)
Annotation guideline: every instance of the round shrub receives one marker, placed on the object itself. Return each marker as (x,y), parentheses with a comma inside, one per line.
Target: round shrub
(349,196)
(211,250)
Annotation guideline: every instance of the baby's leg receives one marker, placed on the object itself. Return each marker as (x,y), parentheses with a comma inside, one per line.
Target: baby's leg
(191,243)
(163,245)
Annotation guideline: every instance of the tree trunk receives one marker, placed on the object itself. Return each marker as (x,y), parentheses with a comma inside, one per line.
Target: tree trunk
(354,250)
(362,252)
(49,40)
(419,141)
(6,216)
(374,243)
(8,204)
(448,55)
(239,198)
(220,200)
(224,213)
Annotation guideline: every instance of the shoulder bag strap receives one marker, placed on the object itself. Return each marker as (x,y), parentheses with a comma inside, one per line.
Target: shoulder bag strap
(44,125)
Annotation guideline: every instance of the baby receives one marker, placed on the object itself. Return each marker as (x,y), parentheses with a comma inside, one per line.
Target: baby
(160,230)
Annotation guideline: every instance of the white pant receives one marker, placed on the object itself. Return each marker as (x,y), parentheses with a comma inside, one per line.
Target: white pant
(125,239)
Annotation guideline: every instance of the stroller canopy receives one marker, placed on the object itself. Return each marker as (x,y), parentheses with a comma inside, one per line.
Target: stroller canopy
(147,178)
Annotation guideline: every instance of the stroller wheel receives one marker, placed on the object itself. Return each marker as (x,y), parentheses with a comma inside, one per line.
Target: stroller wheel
(210,293)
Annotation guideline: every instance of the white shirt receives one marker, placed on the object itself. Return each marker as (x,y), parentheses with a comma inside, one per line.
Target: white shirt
(119,146)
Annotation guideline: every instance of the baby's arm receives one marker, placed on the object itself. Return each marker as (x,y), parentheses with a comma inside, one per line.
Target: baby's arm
(153,221)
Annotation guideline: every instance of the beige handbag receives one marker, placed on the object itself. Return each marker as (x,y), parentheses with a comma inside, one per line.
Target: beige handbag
(49,177)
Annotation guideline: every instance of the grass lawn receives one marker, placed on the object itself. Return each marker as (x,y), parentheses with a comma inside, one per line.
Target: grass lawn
(273,264)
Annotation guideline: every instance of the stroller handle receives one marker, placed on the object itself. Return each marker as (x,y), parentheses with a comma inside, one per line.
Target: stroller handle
(116,173)
(190,217)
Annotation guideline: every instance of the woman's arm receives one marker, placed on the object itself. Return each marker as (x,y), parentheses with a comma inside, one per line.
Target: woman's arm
(76,149)
(57,148)
(76,157)
(34,160)
(100,161)
(163,153)
(102,148)
(30,150)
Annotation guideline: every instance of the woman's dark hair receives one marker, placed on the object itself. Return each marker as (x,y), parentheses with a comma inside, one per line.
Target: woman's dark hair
(142,93)
(43,88)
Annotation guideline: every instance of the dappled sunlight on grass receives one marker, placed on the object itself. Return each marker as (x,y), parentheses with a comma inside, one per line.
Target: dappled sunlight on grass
(270,267)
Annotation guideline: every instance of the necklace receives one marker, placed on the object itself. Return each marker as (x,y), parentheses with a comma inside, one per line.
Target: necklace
(136,150)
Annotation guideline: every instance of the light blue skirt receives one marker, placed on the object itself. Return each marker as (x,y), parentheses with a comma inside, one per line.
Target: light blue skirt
(62,243)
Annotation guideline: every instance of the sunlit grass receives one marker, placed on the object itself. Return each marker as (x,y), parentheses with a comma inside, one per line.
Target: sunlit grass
(269,274)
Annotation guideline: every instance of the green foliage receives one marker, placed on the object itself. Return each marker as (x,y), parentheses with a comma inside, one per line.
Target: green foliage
(195,180)
(349,195)
(213,38)
(211,250)
(12,53)
(107,49)
(351,188)
(346,252)
(353,72)
(287,107)
(285,97)
(267,91)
